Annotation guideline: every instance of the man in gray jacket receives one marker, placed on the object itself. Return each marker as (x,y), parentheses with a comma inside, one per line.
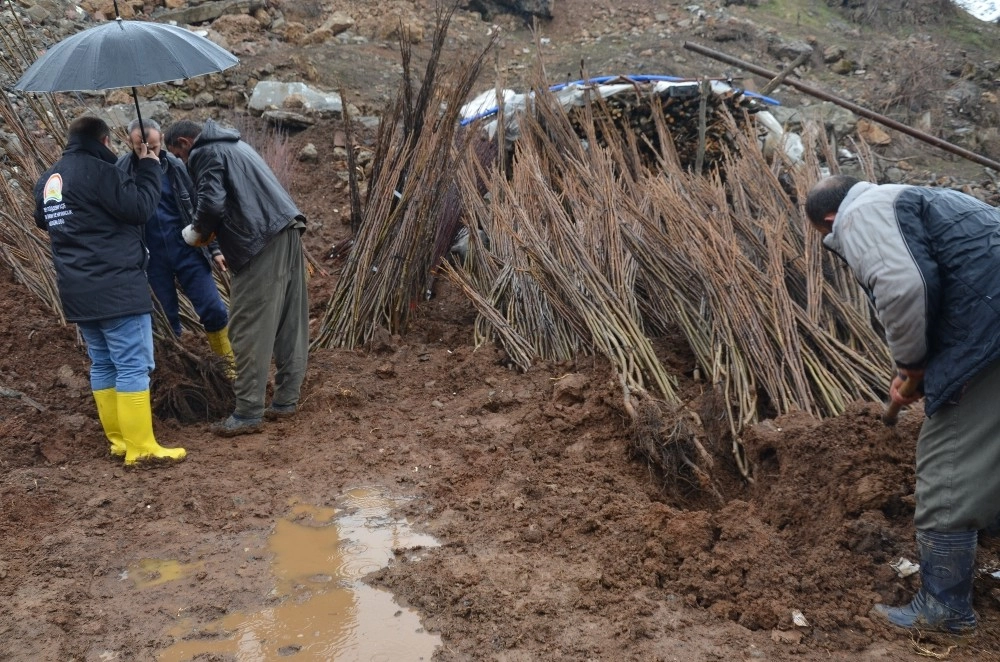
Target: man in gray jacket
(258,227)
(930,260)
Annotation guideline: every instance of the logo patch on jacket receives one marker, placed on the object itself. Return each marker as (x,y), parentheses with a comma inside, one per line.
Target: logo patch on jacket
(53,188)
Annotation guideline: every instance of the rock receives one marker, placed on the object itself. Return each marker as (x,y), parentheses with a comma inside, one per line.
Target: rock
(114,97)
(271,95)
(793,637)
(120,115)
(286,119)
(309,153)
(392,27)
(11,143)
(337,22)
(106,8)
(834,118)
(262,17)
(895,175)
(964,93)
(237,27)
(872,133)
(215,37)
(533,535)
(490,8)
(842,66)
(209,11)
(38,14)
(832,54)
(569,389)
(788,50)
(66,377)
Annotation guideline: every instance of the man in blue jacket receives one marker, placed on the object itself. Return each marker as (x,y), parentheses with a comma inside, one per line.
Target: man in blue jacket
(171,261)
(930,259)
(259,228)
(94,214)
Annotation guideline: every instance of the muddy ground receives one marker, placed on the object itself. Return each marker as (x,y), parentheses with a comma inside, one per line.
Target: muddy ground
(557,544)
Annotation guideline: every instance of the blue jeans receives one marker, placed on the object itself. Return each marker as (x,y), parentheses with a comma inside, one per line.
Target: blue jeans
(121,352)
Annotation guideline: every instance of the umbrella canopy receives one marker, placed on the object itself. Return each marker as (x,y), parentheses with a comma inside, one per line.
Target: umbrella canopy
(124,54)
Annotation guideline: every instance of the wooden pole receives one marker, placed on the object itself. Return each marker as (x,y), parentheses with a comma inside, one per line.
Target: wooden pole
(853,107)
(777,80)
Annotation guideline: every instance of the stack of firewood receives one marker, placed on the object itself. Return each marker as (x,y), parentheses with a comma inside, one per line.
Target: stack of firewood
(673,111)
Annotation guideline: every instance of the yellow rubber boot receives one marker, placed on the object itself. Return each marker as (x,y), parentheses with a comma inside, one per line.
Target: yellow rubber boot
(107,410)
(219,342)
(135,416)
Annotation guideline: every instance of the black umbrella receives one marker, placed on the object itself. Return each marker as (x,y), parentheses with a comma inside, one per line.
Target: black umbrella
(124,54)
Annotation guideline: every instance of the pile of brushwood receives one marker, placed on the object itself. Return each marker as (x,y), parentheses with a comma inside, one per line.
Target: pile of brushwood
(589,246)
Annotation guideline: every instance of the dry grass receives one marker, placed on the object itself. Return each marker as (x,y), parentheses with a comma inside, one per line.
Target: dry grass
(271,144)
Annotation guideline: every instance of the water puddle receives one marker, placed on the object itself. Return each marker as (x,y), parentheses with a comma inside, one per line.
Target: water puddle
(325,612)
(153,572)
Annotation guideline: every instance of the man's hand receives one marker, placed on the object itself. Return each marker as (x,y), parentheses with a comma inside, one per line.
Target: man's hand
(220,261)
(143,152)
(905,387)
(193,238)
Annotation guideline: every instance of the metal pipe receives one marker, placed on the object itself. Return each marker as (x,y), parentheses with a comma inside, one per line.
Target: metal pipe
(853,107)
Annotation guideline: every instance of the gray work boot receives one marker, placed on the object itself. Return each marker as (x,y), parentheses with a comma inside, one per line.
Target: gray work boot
(236,425)
(276,411)
(944,601)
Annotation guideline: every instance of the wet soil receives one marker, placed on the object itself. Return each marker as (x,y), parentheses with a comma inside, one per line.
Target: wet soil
(556,543)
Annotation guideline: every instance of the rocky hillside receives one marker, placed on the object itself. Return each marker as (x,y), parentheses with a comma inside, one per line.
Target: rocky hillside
(928,65)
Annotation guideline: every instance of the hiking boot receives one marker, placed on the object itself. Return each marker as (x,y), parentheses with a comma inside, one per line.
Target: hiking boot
(276,411)
(236,425)
(944,601)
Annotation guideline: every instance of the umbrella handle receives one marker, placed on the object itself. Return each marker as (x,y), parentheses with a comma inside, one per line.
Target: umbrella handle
(138,114)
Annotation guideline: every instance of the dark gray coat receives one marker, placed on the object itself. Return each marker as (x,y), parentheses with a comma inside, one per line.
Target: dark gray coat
(239,198)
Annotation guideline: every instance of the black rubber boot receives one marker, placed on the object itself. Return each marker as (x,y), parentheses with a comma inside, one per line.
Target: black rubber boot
(944,602)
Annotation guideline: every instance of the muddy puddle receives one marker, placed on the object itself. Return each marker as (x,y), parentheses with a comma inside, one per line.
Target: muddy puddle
(323,611)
